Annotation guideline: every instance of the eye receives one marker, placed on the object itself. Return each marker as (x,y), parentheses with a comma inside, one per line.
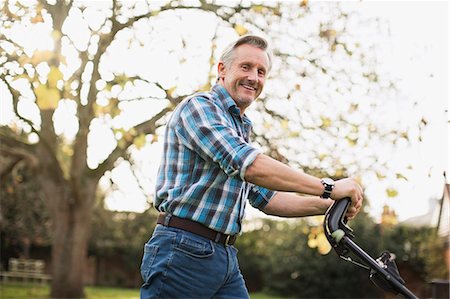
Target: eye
(245,67)
(261,72)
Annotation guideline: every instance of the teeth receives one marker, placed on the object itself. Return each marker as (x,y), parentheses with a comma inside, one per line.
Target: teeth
(249,87)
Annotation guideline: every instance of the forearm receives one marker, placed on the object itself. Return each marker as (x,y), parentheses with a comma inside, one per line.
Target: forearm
(291,205)
(272,174)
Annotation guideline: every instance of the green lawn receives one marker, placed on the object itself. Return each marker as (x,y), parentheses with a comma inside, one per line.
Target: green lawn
(35,291)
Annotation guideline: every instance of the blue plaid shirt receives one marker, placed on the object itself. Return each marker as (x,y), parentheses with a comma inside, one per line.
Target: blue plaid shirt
(206,152)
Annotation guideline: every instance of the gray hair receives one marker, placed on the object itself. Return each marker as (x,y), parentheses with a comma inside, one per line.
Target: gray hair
(256,41)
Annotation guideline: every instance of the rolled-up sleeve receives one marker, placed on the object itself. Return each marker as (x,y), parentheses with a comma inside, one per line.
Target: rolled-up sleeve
(204,128)
(259,197)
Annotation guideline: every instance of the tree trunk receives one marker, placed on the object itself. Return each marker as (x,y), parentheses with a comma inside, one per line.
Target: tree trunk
(70,213)
(71,230)
(69,249)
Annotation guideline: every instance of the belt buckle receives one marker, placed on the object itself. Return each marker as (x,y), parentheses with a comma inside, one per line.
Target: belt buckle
(230,238)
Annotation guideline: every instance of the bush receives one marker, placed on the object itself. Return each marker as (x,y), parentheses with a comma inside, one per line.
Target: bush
(275,257)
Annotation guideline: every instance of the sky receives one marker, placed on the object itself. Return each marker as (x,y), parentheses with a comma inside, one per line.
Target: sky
(419,55)
(416,52)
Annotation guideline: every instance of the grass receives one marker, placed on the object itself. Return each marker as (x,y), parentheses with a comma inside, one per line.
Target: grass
(37,291)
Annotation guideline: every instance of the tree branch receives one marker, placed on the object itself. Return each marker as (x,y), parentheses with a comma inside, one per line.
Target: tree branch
(15,97)
(148,127)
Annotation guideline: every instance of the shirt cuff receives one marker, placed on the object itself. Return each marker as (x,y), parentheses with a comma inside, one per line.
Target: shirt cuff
(248,161)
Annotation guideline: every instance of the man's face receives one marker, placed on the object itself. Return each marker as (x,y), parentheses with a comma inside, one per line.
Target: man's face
(244,78)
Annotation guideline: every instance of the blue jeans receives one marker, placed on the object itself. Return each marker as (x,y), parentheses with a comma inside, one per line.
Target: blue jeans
(180,264)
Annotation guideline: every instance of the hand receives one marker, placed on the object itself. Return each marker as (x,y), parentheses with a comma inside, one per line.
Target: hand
(349,187)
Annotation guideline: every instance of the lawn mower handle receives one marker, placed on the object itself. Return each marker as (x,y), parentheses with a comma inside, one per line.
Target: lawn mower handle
(340,236)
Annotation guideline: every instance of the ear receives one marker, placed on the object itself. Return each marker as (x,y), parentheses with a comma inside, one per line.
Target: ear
(221,69)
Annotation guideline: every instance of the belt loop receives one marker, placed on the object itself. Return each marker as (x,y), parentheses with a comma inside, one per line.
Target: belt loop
(217,238)
(167,219)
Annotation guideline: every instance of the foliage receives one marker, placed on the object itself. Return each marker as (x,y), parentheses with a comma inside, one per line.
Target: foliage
(24,219)
(420,248)
(289,267)
(277,258)
(121,234)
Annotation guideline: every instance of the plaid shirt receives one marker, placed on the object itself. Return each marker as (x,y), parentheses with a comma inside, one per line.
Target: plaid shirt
(206,152)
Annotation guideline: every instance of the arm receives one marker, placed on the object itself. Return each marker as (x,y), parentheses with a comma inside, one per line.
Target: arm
(272,174)
(286,204)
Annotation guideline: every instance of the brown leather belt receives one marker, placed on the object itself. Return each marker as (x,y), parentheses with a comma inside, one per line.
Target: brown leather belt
(196,228)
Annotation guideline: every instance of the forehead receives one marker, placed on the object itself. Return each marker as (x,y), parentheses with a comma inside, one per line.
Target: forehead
(251,54)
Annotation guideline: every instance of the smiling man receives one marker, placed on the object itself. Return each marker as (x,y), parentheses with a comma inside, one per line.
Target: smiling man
(208,171)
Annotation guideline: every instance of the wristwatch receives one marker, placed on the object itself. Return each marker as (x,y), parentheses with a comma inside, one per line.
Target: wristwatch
(329,185)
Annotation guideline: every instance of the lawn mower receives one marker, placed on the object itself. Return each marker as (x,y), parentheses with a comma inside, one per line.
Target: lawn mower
(382,271)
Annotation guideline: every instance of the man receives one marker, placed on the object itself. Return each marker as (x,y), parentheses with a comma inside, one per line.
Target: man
(208,172)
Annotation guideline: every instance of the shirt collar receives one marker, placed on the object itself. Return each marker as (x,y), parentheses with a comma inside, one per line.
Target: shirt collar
(228,102)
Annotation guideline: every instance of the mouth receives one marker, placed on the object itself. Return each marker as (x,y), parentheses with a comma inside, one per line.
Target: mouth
(249,87)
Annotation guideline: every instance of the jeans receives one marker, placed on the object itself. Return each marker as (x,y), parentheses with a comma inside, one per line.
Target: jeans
(180,264)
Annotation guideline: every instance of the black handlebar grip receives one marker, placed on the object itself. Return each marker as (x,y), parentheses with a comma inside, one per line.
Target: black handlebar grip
(335,217)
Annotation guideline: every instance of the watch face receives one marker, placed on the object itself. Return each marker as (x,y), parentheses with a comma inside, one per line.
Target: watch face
(328,181)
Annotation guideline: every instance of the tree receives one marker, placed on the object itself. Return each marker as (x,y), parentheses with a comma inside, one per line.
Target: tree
(81,82)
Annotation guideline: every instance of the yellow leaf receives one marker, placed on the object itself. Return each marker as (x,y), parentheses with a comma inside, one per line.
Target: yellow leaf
(391,192)
(54,76)
(259,8)
(323,245)
(37,19)
(339,173)
(46,98)
(401,176)
(326,122)
(139,141)
(380,176)
(351,140)
(312,243)
(122,143)
(170,91)
(241,30)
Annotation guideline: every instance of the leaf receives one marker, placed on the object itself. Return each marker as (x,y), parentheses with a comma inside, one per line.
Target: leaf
(391,192)
(241,30)
(139,141)
(380,176)
(401,176)
(326,122)
(170,91)
(258,8)
(46,98)
(323,245)
(312,243)
(54,76)
(351,140)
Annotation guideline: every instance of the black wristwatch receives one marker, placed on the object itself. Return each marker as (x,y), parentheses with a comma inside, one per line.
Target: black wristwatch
(329,185)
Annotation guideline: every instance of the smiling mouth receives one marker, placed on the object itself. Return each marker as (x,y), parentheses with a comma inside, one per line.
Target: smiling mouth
(249,87)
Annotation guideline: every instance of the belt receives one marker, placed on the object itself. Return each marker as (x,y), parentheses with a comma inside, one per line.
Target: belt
(196,228)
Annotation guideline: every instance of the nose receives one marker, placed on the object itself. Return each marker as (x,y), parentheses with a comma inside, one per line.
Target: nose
(253,75)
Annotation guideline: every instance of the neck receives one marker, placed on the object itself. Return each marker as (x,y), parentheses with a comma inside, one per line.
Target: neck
(242,107)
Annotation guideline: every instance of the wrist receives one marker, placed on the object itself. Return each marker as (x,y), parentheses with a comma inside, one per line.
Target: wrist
(328,186)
